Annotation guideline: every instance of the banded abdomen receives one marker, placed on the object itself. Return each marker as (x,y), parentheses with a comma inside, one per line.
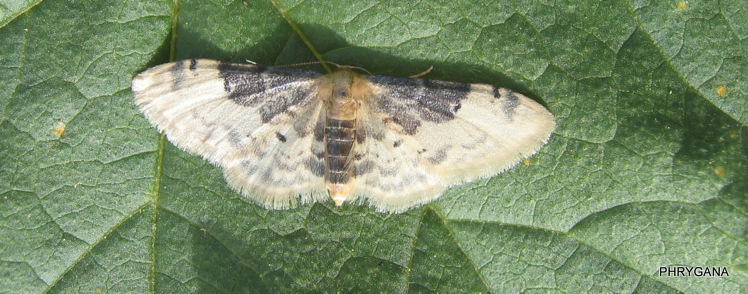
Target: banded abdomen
(339,140)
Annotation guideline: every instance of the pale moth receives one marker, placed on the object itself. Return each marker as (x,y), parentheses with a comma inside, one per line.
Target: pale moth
(288,136)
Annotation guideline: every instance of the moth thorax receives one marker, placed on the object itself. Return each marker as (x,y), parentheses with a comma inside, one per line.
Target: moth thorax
(337,92)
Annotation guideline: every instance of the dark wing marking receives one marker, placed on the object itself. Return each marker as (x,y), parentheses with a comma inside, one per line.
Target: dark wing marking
(252,85)
(407,101)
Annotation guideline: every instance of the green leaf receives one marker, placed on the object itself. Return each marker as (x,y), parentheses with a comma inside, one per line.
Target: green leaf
(12,9)
(646,169)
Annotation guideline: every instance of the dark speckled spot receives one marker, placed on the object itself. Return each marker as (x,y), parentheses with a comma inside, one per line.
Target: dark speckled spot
(360,135)
(363,168)
(320,155)
(302,125)
(510,105)
(509,102)
(438,157)
(242,82)
(319,131)
(280,137)
(235,139)
(248,166)
(408,123)
(177,75)
(316,166)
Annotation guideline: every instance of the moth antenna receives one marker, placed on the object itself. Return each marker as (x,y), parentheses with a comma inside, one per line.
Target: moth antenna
(354,67)
(326,62)
(308,63)
(425,72)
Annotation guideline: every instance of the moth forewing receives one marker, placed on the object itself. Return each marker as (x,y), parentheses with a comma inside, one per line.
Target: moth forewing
(511,128)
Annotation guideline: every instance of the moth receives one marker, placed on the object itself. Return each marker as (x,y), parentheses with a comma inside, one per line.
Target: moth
(285,136)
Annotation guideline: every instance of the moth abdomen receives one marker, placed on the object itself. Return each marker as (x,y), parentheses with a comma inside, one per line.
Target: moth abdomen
(340,135)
